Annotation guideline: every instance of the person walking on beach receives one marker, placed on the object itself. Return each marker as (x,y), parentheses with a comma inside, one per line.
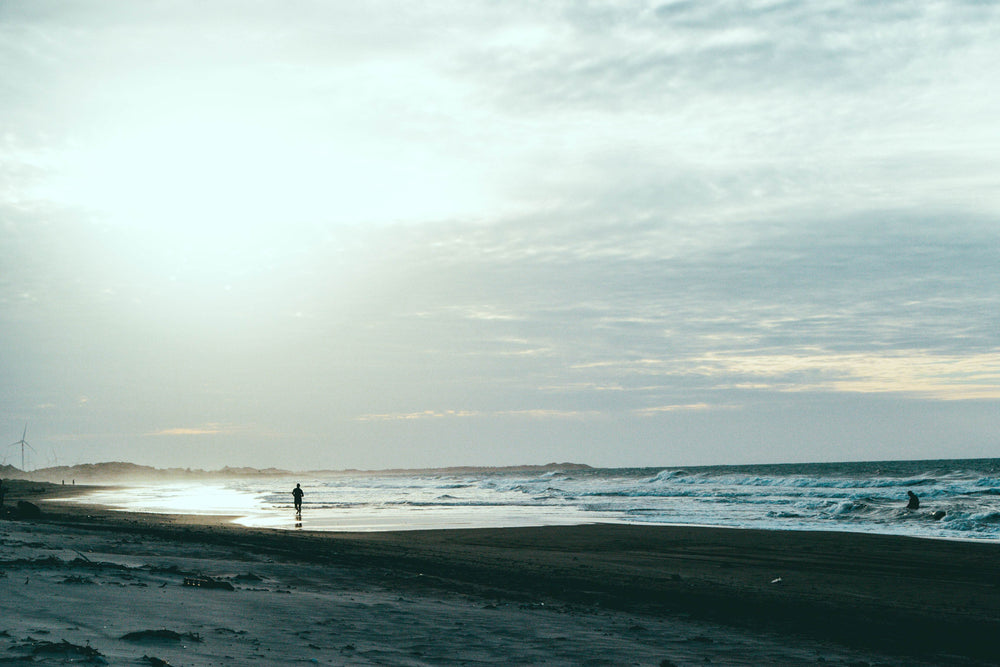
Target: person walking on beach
(297,494)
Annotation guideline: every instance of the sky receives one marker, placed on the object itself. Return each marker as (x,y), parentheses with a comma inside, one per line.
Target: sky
(380,234)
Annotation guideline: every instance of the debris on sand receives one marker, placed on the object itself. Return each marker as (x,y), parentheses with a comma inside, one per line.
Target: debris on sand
(65,648)
(208,582)
(26,510)
(163,633)
(168,569)
(156,662)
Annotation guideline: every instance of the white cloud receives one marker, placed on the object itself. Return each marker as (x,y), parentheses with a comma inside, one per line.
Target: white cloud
(660,409)
(529,413)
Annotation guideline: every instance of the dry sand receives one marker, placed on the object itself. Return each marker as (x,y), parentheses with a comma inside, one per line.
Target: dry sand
(84,584)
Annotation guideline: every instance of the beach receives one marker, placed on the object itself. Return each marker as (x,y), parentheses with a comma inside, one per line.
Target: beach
(83,583)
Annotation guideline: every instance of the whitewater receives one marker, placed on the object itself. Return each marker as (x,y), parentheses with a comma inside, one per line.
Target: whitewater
(959,499)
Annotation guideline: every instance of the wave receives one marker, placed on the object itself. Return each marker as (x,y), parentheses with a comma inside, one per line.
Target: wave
(984,492)
(955,502)
(975,522)
(851,507)
(664,475)
(805,482)
(459,503)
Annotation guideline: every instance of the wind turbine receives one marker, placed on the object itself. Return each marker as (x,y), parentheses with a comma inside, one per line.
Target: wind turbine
(23,443)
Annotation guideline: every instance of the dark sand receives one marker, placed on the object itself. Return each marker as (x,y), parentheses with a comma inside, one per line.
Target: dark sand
(889,600)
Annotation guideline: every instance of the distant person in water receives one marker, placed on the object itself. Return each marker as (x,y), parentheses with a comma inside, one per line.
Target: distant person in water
(914,501)
(297,494)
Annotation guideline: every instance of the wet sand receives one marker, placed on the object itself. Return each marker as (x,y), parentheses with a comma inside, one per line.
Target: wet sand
(594,594)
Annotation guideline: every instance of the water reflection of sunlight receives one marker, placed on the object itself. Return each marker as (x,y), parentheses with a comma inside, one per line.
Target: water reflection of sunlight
(178,499)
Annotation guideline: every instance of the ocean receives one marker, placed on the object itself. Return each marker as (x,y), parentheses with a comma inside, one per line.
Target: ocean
(959,499)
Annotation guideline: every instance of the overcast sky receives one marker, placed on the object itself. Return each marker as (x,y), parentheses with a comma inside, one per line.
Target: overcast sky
(407,234)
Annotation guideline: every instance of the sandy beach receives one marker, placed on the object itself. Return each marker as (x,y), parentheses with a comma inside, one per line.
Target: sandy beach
(85,584)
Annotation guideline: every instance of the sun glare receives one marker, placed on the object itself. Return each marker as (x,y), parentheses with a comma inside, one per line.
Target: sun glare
(178,498)
(227,167)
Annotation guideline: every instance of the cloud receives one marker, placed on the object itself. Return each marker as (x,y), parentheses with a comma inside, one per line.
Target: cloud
(545,413)
(534,413)
(205,429)
(915,373)
(717,110)
(660,409)
(725,109)
(423,414)
(345,216)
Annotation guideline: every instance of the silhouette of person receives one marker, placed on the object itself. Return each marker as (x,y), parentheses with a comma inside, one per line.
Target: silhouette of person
(914,501)
(297,494)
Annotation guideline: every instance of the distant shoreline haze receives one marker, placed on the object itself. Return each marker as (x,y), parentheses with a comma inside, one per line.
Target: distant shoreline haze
(122,470)
(126,471)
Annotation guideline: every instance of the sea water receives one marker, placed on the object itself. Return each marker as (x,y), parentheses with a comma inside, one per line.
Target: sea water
(959,499)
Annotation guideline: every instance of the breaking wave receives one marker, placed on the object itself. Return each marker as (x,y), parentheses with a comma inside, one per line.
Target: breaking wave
(959,499)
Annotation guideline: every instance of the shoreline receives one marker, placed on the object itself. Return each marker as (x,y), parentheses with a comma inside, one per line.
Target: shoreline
(77,495)
(935,600)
